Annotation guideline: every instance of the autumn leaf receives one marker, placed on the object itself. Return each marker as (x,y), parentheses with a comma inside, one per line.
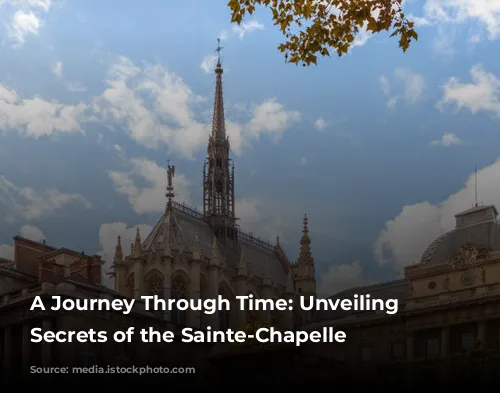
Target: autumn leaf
(312,28)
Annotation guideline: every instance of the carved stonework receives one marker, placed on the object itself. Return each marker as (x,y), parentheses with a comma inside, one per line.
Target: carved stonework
(446,283)
(470,253)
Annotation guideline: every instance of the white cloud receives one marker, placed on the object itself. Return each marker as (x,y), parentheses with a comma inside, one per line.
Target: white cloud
(208,64)
(170,119)
(443,42)
(29,232)
(108,235)
(340,277)
(413,84)
(247,27)
(262,219)
(480,95)
(448,139)
(223,35)
(271,117)
(409,87)
(486,13)
(362,37)
(57,68)
(27,203)
(405,238)
(149,199)
(32,232)
(320,124)
(22,25)
(152,105)
(75,87)
(36,117)
(26,19)
(385,85)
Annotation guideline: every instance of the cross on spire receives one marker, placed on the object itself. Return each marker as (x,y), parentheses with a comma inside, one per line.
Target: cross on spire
(218,50)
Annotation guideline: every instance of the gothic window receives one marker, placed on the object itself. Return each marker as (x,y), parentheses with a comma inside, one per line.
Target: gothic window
(179,291)
(155,286)
(224,315)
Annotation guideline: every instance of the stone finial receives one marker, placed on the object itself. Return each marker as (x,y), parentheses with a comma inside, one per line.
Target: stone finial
(305,255)
(118,251)
(137,245)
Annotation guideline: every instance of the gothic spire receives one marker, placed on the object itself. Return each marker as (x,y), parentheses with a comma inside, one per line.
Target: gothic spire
(118,251)
(218,173)
(304,270)
(218,122)
(137,244)
(305,243)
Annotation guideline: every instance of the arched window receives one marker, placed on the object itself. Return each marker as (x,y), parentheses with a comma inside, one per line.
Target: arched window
(130,286)
(179,291)
(155,285)
(224,315)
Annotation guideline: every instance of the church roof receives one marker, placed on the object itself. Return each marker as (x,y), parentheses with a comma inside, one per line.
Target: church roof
(182,228)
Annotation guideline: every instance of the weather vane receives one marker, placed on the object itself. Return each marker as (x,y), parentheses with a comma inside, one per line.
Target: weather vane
(170,176)
(219,48)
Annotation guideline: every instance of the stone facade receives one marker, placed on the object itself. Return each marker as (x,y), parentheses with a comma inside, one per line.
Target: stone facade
(449,308)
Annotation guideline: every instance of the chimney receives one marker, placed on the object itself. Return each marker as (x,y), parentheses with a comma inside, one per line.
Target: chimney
(84,267)
(95,269)
(46,271)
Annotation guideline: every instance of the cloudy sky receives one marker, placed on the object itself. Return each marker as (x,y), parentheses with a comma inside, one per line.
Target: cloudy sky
(378,147)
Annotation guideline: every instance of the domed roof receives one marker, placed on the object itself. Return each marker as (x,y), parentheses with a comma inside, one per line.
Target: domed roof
(477,226)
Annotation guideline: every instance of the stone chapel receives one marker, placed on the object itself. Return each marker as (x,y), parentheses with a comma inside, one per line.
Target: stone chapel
(194,255)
